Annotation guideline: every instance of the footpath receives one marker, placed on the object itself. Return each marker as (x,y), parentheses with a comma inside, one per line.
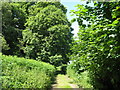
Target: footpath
(63,82)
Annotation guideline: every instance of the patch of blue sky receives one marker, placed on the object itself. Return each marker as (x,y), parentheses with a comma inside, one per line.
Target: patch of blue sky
(70,5)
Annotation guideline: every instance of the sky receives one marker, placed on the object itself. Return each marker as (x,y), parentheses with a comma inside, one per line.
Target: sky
(70,5)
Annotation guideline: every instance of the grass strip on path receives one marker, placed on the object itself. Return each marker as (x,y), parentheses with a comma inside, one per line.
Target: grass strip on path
(62,81)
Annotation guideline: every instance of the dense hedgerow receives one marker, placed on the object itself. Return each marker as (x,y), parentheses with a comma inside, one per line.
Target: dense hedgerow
(97,48)
(25,73)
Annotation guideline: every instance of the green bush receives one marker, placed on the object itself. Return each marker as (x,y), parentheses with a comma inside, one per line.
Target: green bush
(79,77)
(97,46)
(25,73)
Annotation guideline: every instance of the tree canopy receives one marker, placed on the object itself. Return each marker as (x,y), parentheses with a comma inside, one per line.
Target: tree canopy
(37,30)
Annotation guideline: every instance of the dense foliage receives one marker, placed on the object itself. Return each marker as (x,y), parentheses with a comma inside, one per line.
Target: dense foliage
(97,48)
(25,73)
(47,34)
(33,30)
(79,76)
(13,19)
(41,31)
(37,30)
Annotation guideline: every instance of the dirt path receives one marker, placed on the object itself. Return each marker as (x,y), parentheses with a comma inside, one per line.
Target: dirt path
(62,81)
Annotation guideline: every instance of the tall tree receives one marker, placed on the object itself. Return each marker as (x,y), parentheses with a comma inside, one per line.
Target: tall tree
(48,33)
(13,19)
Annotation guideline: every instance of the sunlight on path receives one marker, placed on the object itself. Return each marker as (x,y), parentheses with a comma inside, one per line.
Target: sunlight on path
(62,81)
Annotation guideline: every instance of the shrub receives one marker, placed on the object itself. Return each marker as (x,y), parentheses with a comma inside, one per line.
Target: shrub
(25,73)
(79,77)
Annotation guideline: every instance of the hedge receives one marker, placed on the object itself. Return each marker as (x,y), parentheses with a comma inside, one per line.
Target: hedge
(25,73)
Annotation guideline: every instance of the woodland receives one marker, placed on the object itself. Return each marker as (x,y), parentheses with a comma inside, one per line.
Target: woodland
(38,45)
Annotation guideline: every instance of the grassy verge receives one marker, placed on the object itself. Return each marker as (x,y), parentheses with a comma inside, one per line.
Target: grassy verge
(83,80)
